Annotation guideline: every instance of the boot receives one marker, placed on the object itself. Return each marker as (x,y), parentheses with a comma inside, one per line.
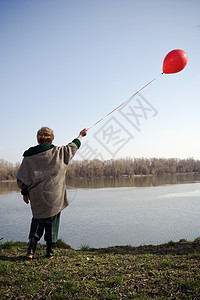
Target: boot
(31,248)
(49,253)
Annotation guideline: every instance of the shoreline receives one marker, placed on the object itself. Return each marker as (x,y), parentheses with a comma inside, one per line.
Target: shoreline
(121,176)
(9,180)
(61,244)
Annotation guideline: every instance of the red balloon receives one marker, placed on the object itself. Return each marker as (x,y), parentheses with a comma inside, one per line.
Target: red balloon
(175,61)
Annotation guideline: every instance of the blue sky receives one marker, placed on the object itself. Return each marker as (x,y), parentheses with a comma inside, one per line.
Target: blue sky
(65,64)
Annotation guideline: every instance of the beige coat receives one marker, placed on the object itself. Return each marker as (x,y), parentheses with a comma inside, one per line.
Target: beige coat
(43,175)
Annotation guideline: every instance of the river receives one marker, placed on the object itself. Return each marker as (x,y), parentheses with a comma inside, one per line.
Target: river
(128,211)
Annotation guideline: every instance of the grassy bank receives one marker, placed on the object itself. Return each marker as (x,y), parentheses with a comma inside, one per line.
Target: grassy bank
(169,271)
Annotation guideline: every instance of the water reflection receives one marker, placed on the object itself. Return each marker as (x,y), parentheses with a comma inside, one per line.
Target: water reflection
(7,187)
(136,181)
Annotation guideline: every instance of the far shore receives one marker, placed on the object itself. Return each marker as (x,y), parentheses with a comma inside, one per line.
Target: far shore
(10,180)
(121,176)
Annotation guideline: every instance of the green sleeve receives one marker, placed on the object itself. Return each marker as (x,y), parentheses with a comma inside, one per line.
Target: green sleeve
(77,142)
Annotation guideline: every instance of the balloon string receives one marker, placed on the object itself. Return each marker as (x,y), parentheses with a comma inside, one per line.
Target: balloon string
(124,102)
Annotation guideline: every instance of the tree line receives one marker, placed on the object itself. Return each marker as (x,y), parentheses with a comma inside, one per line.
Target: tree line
(8,170)
(130,167)
(116,167)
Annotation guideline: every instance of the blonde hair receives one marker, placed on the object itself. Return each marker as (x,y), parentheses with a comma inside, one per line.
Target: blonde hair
(45,135)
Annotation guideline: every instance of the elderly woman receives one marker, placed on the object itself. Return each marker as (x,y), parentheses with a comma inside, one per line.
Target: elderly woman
(41,178)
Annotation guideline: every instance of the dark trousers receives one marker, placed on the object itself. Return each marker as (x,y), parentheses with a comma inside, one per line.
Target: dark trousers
(49,225)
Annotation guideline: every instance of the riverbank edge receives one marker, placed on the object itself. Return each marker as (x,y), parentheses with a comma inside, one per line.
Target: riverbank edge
(179,247)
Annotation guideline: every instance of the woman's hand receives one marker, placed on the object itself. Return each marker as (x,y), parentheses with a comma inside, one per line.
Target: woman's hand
(83,132)
(26,199)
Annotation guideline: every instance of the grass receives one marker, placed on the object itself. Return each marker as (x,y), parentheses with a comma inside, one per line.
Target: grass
(169,271)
